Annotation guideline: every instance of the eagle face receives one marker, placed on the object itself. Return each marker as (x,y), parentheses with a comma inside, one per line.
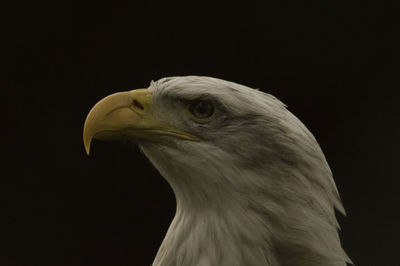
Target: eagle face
(235,118)
(243,169)
(234,125)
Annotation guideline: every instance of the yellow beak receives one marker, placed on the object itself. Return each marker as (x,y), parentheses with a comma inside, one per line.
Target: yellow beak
(127,115)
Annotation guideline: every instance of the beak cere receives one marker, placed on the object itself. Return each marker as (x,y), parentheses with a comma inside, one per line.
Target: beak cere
(127,115)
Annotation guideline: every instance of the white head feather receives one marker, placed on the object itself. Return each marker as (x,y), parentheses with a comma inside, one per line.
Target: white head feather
(256,190)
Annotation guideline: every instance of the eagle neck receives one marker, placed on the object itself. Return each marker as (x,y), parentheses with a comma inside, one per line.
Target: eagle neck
(214,236)
(238,216)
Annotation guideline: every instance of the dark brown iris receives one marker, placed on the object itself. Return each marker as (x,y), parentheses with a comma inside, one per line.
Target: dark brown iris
(201,109)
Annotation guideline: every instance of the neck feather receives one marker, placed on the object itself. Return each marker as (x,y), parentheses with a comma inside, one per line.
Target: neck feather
(222,221)
(214,237)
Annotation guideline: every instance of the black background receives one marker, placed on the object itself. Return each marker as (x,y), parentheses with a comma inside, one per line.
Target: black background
(336,65)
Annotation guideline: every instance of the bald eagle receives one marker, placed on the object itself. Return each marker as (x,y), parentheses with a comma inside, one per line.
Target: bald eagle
(252,185)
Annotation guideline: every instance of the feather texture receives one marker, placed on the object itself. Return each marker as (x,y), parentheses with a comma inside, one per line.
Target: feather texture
(256,190)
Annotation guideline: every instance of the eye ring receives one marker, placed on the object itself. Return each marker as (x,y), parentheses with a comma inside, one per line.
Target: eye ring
(201,109)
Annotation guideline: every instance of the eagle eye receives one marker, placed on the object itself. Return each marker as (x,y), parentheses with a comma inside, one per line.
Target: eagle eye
(201,109)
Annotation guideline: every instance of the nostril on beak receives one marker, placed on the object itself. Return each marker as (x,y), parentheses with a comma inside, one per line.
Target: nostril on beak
(137,105)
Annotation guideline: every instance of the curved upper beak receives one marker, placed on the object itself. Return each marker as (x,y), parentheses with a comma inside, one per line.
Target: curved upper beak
(127,115)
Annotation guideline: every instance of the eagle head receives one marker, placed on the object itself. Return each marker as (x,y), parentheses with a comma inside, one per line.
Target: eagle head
(252,185)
